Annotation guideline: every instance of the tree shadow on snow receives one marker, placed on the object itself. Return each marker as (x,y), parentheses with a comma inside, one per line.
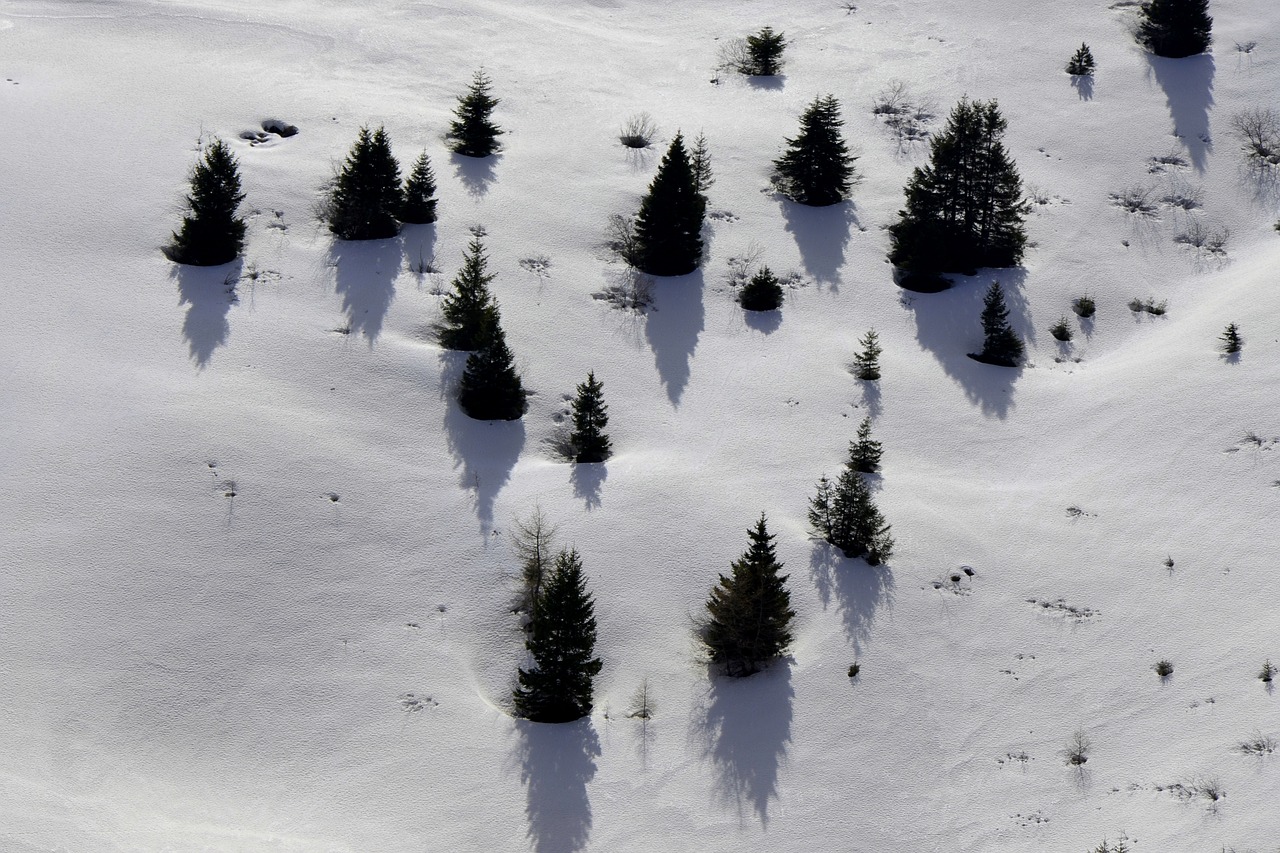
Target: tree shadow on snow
(1083,84)
(209,293)
(859,590)
(949,325)
(419,246)
(765,322)
(672,326)
(746,727)
(475,173)
(1188,89)
(821,235)
(557,762)
(767,82)
(365,277)
(484,452)
(587,479)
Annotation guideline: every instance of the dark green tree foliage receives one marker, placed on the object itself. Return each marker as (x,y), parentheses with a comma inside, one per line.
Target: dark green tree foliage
(469,309)
(845,515)
(419,206)
(473,132)
(590,417)
(1081,63)
(762,293)
(865,452)
(668,228)
(1176,28)
(965,209)
(1231,339)
(1000,345)
(750,611)
(764,52)
(817,168)
(211,233)
(491,389)
(866,364)
(366,197)
(562,639)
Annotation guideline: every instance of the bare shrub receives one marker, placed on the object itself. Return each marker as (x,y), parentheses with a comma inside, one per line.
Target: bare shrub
(1135,200)
(734,55)
(1202,238)
(620,237)
(639,131)
(904,114)
(1078,748)
(630,291)
(1182,195)
(1259,132)
(1258,744)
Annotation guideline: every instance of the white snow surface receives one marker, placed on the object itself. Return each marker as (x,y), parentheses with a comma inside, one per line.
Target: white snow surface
(323,661)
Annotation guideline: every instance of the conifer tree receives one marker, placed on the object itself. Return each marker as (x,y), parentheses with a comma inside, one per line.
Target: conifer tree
(469,309)
(1176,28)
(491,389)
(700,162)
(750,611)
(1081,63)
(590,417)
(211,233)
(965,209)
(762,293)
(367,197)
(473,133)
(817,168)
(764,53)
(866,364)
(419,207)
(668,228)
(1000,344)
(1232,342)
(865,452)
(845,515)
(559,688)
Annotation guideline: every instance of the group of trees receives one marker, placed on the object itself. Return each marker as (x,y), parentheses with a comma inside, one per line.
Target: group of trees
(844,513)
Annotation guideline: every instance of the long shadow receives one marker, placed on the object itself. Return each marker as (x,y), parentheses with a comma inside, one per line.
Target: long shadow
(1188,89)
(1083,84)
(557,762)
(858,590)
(949,325)
(588,479)
(746,727)
(365,277)
(475,173)
(821,235)
(672,327)
(484,452)
(209,293)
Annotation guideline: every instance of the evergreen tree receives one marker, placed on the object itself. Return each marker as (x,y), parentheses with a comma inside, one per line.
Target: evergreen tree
(590,417)
(1232,342)
(473,132)
(965,209)
(469,309)
(366,197)
(817,168)
(1000,345)
(491,389)
(864,454)
(762,293)
(1081,63)
(558,689)
(419,205)
(845,515)
(866,364)
(1176,28)
(668,228)
(750,611)
(764,53)
(211,233)
(700,162)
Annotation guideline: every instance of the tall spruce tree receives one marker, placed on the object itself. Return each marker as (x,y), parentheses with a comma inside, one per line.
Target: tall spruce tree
(1176,28)
(491,389)
(419,206)
(473,133)
(668,228)
(559,688)
(865,452)
(590,417)
(469,309)
(367,197)
(211,233)
(817,168)
(965,209)
(764,53)
(750,611)
(866,364)
(1000,344)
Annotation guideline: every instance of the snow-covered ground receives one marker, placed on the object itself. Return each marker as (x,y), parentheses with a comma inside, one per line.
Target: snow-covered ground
(257,574)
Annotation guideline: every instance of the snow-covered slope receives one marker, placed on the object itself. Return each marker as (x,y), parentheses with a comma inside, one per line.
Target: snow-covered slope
(257,572)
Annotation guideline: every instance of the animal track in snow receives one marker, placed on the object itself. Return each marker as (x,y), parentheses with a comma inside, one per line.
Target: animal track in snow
(272,131)
(414,703)
(1060,606)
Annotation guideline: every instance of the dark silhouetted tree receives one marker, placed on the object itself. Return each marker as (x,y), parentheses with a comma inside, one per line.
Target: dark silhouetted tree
(1000,345)
(817,168)
(668,228)
(1232,341)
(1081,63)
(590,417)
(562,639)
(469,309)
(366,196)
(750,611)
(965,209)
(491,389)
(762,293)
(865,452)
(211,233)
(866,364)
(844,514)
(419,205)
(473,132)
(1176,28)
(764,53)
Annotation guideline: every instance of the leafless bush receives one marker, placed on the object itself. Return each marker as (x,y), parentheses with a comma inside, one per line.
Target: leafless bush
(1245,46)
(1078,748)
(620,237)
(1259,131)
(1258,744)
(1151,306)
(1183,195)
(1202,238)
(742,266)
(1161,162)
(735,56)
(905,115)
(639,131)
(1135,200)
(631,290)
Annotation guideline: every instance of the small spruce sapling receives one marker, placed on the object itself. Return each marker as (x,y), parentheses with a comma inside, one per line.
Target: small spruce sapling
(473,133)
(1268,672)
(762,293)
(865,452)
(1000,345)
(1231,339)
(764,53)
(419,207)
(1081,63)
(211,233)
(866,364)
(590,417)
(1061,330)
(700,163)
